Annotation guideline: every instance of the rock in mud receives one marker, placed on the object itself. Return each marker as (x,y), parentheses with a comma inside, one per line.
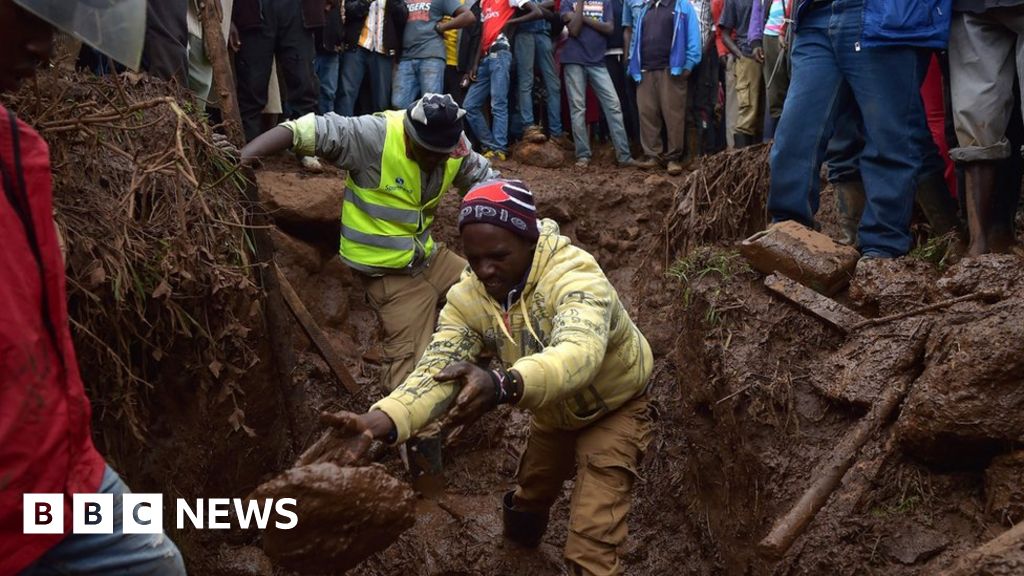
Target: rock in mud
(546,154)
(916,544)
(309,211)
(807,256)
(1004,488)
(344,516)
(968,404)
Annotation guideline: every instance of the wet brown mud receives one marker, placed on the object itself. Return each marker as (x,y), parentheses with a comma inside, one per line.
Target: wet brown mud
(345,515)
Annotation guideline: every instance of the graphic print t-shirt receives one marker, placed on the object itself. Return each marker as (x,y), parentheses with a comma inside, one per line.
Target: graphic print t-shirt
(494,14)
(419,39)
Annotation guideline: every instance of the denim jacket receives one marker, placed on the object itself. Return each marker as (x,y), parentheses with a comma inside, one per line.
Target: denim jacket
(921,23)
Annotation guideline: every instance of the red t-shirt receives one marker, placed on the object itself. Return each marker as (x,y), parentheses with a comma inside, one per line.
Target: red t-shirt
(716,13)
(45,435)
(494,14)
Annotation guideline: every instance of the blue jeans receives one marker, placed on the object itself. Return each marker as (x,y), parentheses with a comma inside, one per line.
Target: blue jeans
(326,66)
(116,554)
(492,80)
(416,77)
(535,47)
(576,78)
(830,66)
(354,65)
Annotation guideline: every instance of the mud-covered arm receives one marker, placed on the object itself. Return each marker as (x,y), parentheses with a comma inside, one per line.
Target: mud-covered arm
(421,399)
(579,340)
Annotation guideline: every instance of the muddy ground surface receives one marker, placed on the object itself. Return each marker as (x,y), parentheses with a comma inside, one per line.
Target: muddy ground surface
(752,394)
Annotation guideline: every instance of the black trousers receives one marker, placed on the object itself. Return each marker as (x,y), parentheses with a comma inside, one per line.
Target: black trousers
(165,51)
(282,35)
(703,93)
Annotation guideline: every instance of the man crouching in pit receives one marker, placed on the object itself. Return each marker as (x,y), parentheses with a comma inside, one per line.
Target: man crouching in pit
(566,350)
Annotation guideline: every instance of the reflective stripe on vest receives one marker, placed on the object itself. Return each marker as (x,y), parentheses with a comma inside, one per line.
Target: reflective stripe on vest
(386,229)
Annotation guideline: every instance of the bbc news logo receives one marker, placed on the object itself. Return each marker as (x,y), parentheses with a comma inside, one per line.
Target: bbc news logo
(144,513)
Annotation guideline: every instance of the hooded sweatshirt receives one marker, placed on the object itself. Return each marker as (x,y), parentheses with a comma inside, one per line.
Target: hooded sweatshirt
(568,336)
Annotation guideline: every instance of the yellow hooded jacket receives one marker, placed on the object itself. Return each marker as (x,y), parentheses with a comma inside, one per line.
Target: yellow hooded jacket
(580,355)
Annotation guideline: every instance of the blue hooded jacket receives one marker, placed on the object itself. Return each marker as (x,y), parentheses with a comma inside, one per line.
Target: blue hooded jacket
(686,48)
(921,23)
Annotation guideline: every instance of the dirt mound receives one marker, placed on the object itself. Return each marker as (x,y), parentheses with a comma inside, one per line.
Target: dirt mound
(545,154)
(345,515)
(968,402)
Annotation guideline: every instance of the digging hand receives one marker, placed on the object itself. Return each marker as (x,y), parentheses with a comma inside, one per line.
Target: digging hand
(477,396)
(346,442)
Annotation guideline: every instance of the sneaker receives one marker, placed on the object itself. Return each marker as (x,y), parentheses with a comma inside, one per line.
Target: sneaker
(495,155)
(646,162)
(583,162)
(534,134)
(311,164)
(675,168)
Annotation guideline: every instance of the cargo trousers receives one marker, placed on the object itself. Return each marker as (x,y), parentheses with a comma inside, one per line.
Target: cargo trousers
(408,306)
(605,457)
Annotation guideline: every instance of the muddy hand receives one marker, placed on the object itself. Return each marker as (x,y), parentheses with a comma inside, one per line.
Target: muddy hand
(476,397)
(345,443)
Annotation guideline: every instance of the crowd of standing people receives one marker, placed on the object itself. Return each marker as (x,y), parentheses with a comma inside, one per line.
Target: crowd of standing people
(898,100)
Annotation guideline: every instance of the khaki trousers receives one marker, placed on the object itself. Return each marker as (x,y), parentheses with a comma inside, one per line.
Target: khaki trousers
(408,307)
(661,97)
(604,456)
(776,75)
(748,96)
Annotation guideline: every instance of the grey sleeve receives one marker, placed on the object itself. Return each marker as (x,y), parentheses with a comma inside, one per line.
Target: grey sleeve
(450,6)
(350,143)
(475,169)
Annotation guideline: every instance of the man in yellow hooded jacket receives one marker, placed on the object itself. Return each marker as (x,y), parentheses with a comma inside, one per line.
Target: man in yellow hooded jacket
(563,347)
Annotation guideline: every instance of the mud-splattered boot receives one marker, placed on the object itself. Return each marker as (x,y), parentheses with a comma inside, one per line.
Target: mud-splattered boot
(524,528)
(426,465)
(980,184)
(941,211)
(850,205)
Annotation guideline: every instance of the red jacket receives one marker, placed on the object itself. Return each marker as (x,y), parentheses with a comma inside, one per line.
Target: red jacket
(45,434)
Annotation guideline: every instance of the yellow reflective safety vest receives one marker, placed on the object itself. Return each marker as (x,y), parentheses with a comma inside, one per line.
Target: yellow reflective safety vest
(387,229)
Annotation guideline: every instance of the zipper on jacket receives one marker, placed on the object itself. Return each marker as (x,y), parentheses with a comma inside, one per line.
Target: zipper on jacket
(23,209)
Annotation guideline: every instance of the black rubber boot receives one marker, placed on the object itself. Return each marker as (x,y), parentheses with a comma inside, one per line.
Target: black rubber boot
(524,528)
(938,206)
(850,205)
(426,465)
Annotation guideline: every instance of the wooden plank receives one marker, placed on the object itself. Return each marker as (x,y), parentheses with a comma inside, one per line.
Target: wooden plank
(315,334)
(823,307)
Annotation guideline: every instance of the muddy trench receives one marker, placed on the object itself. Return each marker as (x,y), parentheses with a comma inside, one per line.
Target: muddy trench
(745,387)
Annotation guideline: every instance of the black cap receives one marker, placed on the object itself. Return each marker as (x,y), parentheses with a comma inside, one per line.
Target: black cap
(435,122)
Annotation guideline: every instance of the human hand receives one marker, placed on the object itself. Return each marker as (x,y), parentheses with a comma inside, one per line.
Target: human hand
(223,143)
(759,54)
(344,443)
(476,397)
(234,40)
(686,74)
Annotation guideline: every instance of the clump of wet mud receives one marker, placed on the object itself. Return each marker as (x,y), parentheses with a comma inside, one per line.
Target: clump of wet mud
(345,515)
(968,403)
